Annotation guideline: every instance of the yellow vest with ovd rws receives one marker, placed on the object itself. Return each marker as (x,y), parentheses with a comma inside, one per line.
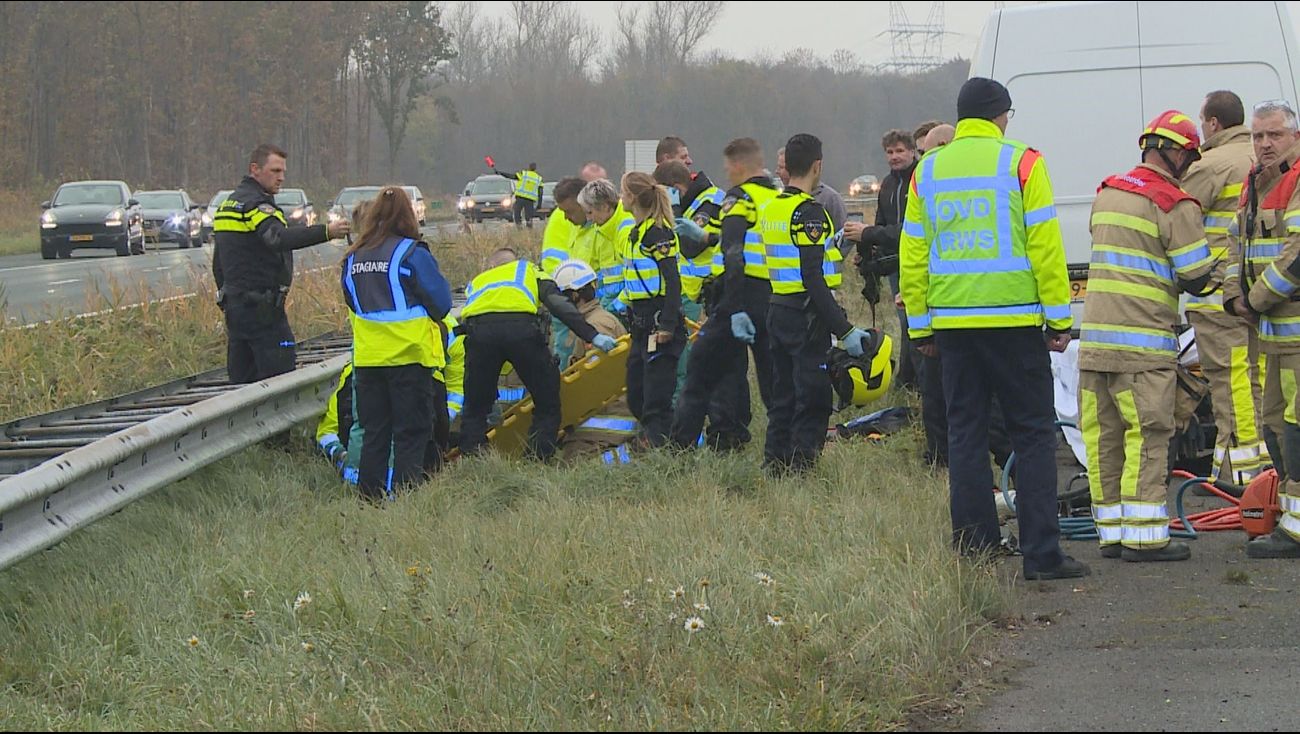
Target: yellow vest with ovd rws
(783,236)
(509,288)
(755,255)
(975,204)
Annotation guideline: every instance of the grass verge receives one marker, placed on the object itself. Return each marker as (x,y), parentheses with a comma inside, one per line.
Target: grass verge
(259,595)
(70,361)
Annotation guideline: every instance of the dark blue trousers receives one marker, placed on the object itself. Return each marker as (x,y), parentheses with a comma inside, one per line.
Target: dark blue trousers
(1013,365)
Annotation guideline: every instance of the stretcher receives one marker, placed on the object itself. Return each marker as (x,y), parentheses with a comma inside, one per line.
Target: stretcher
(586,388)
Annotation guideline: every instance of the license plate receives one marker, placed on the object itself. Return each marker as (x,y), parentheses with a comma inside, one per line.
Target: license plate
(1078,290)
(82,238)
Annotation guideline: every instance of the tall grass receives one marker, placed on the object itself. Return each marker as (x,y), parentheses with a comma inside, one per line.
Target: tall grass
(20,225)
(135,342)
(259,594)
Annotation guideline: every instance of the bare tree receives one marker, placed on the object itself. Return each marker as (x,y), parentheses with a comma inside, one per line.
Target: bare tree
(404,43)
(470,34)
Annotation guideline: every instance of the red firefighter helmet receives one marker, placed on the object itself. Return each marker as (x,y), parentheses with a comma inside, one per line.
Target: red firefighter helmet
(1259,505)
(1171,130)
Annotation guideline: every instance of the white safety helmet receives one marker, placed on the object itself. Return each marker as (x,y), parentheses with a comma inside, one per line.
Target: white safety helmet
(572,275)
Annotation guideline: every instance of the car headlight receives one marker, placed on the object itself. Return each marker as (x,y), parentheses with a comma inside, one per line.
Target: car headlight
(469,204)
(177,219)
(207,219)
(114,218)
(296,214)
(507,201)
(334,216)
(47,219)
(875,187)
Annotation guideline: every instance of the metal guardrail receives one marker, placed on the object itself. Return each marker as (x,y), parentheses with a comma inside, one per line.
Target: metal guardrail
(62,471)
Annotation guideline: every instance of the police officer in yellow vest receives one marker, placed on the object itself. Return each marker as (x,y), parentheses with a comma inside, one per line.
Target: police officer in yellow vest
(982,268)
(252,263)
(392,285)
(699,229)
(1148,244)
(719,362)
(501,322)
(804,265)
(1228,348)
(528,191)
(652,287)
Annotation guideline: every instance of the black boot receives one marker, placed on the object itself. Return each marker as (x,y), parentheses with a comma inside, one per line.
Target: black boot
(1278,545)
(1069,569)
(1112,550)
(1175,551)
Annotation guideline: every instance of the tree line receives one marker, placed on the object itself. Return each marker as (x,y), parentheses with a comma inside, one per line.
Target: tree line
(176,92)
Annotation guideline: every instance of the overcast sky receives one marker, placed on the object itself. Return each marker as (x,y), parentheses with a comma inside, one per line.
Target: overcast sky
(748,28)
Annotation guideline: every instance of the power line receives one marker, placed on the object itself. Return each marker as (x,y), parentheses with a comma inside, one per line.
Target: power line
(916,47)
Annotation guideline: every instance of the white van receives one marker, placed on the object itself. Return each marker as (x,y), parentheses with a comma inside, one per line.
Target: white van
(1085,78)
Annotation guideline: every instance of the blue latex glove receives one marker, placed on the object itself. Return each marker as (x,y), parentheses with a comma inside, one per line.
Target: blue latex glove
(688,230)
(604,343)
(854,341)
(742,327)
(617,305)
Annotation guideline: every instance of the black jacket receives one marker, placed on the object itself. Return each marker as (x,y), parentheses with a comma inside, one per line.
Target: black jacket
(262,259)
(891,205)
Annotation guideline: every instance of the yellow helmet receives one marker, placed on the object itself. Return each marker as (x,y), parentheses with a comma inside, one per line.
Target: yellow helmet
(862,380)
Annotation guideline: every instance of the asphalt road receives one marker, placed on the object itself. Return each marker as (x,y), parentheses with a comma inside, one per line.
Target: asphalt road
(32,289)
(1206,644)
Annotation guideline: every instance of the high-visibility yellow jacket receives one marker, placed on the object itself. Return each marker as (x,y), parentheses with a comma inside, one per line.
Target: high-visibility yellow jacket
(509,288)
(557,240)
(528,185)
(603,246)
(391,314)
(981,245)
(788,222)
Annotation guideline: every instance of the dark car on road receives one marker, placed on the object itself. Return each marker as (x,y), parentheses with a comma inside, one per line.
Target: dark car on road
(91,214)
(298,211)
(547,203)
(340,208)
(206,232)
(171,216)
(487,197)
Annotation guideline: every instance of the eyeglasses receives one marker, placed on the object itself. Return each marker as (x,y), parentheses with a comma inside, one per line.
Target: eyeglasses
(1275,104)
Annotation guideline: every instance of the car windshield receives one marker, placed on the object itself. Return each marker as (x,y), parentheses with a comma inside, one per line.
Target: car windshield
(291,197)
(88,194)
(351,197)
(220,197)
(491,186)
(160,200)
(412,192)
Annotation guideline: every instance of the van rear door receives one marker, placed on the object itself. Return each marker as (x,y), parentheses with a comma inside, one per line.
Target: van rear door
(1075,80)
(1242,47)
